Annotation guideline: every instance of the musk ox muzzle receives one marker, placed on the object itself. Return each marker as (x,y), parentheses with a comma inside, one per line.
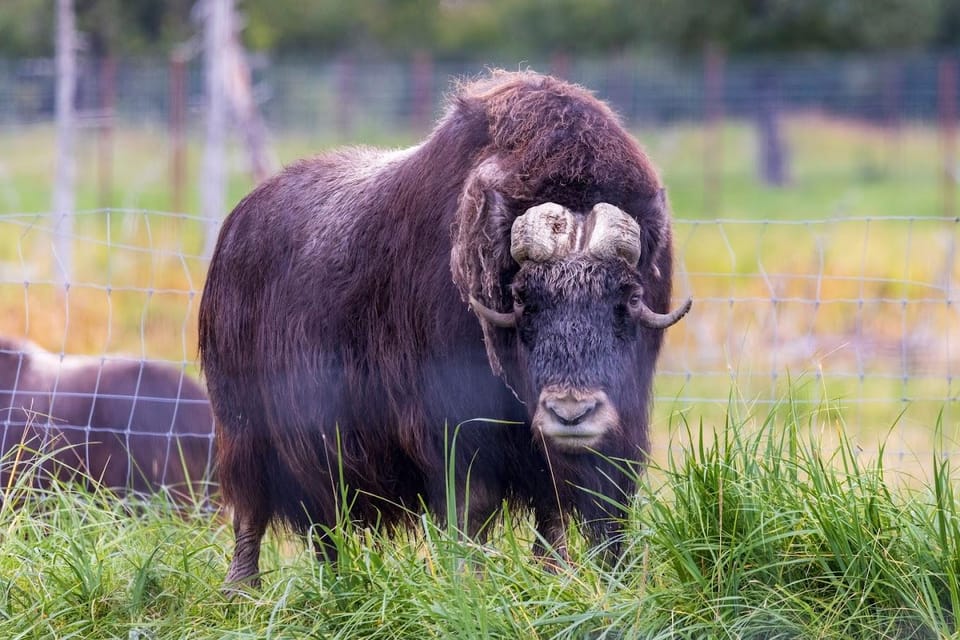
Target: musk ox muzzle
(572,419)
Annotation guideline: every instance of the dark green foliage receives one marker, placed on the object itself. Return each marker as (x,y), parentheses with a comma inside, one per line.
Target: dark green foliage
(26,27)
(788,25)
(485,28)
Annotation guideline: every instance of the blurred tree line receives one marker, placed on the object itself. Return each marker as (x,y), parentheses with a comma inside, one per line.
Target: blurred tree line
(483,28)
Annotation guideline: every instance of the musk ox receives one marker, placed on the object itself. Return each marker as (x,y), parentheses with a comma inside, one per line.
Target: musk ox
(128,424)
(363,305)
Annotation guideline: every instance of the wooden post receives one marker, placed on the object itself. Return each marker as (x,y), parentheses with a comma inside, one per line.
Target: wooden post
(345,89)
(65,178)
(892,107)
(713,68)
(108,96)
(421,111)
(947,99)
(772,153)
(178,117)
(246,116)
(216,35)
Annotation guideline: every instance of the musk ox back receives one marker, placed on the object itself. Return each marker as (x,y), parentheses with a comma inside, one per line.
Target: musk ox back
(128,424)
(515,266)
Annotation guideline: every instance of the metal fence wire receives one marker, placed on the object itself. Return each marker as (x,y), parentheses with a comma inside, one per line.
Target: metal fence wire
(343,95)
(852,319)
(857,318)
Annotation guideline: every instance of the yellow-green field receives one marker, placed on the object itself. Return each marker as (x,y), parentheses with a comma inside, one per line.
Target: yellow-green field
(839,290)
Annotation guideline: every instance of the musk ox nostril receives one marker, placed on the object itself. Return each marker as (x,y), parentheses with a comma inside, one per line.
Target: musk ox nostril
(570,411)
(574,420)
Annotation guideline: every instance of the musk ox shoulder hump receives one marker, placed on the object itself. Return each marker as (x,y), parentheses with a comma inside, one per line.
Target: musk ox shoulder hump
(555,131)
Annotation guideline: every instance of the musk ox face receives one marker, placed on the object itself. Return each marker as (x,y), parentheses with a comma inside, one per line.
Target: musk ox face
(576,339)
(580,316)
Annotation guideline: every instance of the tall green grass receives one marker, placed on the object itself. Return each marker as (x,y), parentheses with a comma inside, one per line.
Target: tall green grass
(756,528)
(767,533)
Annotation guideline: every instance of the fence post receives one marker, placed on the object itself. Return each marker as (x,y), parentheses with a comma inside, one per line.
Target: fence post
(713,68)
(773,155)
(214,180)
(65,178)
(177,117)
(947,99)
(108,96)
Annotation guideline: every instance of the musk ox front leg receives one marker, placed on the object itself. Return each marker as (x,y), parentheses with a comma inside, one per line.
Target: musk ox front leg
(607,534)
(551,543)
(477,501)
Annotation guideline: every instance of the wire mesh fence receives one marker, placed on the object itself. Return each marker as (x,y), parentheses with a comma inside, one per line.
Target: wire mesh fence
(343,95)
(821,291)
(98,375)
(857,315)
(854,320)
(894,116)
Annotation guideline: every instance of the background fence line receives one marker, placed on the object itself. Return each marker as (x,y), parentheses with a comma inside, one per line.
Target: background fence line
(339,94)
(344,99)
(800,291)
(858,318)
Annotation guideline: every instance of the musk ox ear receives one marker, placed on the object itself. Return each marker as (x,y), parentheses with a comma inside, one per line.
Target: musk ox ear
(653,216)
(480,259)
(481,235)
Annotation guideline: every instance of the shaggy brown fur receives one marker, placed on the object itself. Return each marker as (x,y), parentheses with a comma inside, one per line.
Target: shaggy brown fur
(336,339)
(129,425)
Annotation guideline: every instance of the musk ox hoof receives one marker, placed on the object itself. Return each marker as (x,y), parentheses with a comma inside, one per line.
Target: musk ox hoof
(240,587)
(553,559)
(241,580)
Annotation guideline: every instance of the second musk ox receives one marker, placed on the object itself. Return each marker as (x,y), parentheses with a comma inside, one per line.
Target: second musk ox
(127,424)
(363,304)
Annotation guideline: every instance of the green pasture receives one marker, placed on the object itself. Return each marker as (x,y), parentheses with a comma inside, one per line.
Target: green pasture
(837,168)
(767,527)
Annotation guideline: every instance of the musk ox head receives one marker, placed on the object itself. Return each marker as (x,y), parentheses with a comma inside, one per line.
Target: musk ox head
(579,320)
(561,245)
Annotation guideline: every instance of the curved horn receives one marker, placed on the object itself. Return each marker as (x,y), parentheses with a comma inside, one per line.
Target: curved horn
(543,232)
(653,320)
(611,232)
(496,318)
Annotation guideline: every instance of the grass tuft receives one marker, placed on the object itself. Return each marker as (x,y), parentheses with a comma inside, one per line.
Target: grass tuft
(769,527)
